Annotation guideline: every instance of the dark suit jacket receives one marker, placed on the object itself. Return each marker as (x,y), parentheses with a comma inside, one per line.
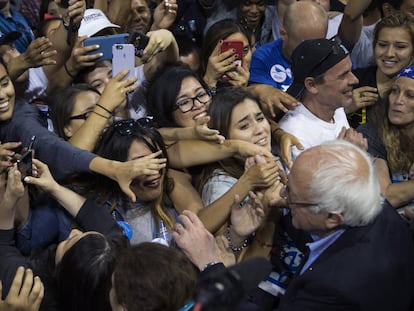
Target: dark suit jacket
(368,268)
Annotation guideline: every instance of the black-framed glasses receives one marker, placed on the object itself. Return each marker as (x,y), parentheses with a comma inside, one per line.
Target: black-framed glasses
(285,194)
(187,104)
(126,127)
(82,116)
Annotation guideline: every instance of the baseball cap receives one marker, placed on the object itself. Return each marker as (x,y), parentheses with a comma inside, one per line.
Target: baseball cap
(7,38)
(312,58)
(93,21)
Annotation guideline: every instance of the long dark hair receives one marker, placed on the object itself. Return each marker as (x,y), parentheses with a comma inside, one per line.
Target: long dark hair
(115,145)
(163,90)
(219,31)
(84,275)
(63,103)
(220,112)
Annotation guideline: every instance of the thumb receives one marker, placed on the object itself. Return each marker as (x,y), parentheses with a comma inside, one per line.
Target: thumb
(236,201)
(342,133)
(202,120)
(298,145)
(129,193)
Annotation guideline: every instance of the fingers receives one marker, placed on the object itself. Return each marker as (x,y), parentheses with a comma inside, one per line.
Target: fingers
(17,282)
(342,133)
(128,192)
(192,217)
(27,284)
(37,294)
(236,201)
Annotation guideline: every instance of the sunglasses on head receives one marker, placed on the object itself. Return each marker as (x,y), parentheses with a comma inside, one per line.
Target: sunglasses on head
(126,127)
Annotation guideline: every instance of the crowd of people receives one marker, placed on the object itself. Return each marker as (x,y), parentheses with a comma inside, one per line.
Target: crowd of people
(128,190)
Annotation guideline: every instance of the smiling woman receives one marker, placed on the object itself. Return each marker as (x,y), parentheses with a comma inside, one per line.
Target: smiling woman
(153,215)
(393,50)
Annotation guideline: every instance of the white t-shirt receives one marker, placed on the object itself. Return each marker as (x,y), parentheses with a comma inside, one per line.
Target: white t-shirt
(309,129)
(38,83)
(216,186)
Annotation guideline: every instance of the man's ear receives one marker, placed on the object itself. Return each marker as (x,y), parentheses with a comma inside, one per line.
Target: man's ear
(310,85)
(334,220)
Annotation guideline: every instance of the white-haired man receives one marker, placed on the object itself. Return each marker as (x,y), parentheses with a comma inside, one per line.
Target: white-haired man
(360,253)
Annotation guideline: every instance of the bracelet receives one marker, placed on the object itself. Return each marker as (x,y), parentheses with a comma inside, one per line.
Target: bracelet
(245,242)
(67,71)
(101,115)
(102,107)
(210,264)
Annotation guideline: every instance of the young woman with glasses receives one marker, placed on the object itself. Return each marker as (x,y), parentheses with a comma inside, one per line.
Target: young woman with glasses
(80,113)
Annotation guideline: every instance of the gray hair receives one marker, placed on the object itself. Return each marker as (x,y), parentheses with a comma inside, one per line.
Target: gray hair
(345,182)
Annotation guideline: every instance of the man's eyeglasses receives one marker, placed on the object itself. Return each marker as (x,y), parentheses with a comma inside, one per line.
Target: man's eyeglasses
(82,116)
(126,127)
(285,195)
(187,104)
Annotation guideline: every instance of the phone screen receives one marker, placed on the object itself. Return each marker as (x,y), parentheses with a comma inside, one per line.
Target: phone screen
(24,164)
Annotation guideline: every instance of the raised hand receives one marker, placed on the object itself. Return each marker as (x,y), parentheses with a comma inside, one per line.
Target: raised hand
(239,77)
(42,177)
(79,58)
(273,99)
(125,172)
(354,137)
(38,53)
(159,40)
(262,175)
(165,14)
(195,240)
(7,154)
(286,142)
(247,149)
(14,191)
(247,217)
(26,292)
(362,97)
(75,11)
(116,90)
(218,64)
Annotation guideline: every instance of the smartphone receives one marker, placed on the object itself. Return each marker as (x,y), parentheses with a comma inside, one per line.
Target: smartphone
(64,3)
(237,47)
(24,164)
(105,44)
(140,41)
(123,57)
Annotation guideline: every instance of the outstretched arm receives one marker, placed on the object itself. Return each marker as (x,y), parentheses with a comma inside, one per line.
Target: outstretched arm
(351,25)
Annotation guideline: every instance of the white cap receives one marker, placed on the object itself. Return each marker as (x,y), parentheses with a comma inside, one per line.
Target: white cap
(93,21)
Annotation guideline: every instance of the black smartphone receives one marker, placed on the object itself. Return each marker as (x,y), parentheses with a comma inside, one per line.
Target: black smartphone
(24,164)
(140,41)
(64,3)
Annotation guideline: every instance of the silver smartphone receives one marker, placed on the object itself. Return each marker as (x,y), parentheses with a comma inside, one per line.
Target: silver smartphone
(123,57)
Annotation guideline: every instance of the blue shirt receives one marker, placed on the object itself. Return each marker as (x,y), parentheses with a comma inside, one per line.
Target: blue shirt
(270,67)
(318,247)
(17,23)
